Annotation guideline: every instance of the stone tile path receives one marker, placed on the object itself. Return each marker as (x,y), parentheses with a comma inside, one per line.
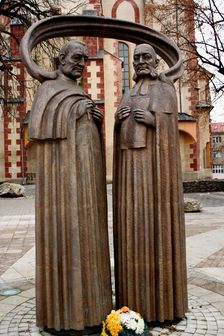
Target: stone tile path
(205,258)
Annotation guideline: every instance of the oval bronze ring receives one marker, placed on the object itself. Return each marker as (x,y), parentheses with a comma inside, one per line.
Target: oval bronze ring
(69,25)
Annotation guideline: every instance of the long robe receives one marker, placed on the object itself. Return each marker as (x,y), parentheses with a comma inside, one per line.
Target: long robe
(73,281)
(149,232)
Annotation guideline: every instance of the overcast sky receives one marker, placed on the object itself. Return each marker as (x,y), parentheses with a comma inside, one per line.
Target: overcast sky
(217,114)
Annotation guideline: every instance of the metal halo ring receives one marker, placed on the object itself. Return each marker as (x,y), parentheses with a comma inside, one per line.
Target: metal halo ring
(69,25)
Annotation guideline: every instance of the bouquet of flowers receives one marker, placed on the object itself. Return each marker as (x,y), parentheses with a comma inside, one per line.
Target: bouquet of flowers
(124,322)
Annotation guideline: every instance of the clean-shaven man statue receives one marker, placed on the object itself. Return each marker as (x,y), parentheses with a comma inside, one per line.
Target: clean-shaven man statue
(73,282)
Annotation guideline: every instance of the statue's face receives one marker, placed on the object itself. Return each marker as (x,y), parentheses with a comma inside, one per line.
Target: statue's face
(73,63)
(144,60)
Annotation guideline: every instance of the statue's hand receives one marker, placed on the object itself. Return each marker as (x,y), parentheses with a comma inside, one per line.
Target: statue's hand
(84,106)
(89,105)
(122,113)
(144,117)
(96,113)
(91,108)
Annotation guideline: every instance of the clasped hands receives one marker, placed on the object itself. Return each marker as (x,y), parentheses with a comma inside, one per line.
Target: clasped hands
(140,115)
(88,106)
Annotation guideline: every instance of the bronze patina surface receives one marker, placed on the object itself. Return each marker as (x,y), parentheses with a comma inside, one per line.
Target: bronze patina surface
(73,293)
(149,236)
(73,281)
(70,25)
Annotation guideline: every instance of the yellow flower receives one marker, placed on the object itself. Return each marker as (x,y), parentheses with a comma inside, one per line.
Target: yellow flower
(103,333)
(113,323)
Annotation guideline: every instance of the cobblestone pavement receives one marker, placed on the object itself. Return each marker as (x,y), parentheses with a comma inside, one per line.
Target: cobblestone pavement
(205,258)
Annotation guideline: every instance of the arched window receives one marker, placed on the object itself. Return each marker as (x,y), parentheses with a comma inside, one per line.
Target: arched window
(123,54)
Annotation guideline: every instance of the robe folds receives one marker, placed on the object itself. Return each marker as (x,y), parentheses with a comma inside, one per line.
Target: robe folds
(149,232)
(73,281)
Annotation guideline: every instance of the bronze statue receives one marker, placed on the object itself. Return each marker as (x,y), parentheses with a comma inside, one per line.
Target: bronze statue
(149,233)
(73,281)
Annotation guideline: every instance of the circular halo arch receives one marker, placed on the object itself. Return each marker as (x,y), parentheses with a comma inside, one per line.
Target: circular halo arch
(69,25)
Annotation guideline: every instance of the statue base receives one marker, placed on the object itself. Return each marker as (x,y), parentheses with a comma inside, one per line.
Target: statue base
(166,323)
(94,331)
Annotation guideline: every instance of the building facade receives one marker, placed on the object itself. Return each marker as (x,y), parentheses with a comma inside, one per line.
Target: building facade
(107,76)
(217,130)
(12,109)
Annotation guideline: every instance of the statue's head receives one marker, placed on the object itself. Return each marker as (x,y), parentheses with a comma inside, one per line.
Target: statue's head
(145,62)
(72,57)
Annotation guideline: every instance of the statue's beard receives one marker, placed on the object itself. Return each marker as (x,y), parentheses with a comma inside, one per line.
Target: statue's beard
(149,73)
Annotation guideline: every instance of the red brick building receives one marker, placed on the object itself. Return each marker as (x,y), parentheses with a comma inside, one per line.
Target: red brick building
(109,73)
(13,110)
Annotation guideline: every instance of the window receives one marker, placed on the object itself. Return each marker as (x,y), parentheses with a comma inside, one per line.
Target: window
(216,139)
(217,154)
(123,54)
(218,168)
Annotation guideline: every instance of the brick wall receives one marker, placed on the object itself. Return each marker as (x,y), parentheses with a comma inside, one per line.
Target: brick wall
(14,110)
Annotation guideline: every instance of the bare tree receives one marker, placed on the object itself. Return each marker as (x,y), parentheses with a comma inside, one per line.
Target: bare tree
(24,13)
(198,28)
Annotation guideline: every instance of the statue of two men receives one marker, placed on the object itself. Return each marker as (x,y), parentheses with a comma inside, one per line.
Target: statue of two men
(73,281)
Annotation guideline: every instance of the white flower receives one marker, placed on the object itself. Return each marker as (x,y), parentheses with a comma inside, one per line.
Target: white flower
(131,324)
(124,317)
(134,315)
(132,321)
(140,327)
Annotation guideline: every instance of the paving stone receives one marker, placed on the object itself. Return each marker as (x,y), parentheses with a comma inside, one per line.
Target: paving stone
(181,327)
(22,318)
(211,332)
(220,324)
(158,329)
(206,302)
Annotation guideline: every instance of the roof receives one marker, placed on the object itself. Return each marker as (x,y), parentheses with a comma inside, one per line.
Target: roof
(206,71)
(182,116)
(217,127)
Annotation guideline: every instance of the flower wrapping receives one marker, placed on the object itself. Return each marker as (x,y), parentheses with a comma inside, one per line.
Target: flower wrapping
(124,322)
